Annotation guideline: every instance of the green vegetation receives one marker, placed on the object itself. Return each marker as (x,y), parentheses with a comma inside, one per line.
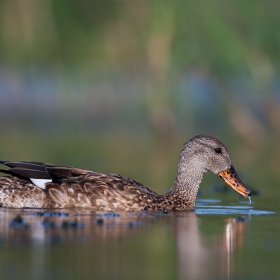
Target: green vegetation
(229,36)
(105,84)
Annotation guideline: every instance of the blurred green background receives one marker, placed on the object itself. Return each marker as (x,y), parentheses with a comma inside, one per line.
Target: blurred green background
(119,86)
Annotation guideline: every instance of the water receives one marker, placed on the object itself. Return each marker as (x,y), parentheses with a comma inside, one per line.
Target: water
(219,240)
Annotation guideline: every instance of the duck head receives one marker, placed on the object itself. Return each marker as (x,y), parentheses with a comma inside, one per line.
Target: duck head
(211,155)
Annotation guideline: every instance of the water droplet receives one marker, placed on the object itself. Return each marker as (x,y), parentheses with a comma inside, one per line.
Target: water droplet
(249,197)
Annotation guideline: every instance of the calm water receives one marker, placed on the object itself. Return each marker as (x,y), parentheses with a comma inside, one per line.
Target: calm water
(221,240)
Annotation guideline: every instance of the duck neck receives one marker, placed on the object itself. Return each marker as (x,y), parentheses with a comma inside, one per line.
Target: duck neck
(185,187)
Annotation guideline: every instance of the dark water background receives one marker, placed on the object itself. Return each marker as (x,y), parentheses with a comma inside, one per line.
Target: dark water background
(217,241)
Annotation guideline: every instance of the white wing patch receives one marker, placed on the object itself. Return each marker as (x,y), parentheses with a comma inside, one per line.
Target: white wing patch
(40,182)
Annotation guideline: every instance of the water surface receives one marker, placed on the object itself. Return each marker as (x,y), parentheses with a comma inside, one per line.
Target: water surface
(219,240)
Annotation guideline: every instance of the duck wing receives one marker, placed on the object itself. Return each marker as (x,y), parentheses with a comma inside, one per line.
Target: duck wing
(39,170)
(69,186)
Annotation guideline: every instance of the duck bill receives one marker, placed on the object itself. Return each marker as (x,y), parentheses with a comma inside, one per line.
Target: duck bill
(231,178)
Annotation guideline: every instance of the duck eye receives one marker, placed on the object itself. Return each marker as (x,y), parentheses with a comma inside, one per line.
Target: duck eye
(218,150)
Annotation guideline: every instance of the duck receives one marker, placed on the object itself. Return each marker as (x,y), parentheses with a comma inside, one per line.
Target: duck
(28,184)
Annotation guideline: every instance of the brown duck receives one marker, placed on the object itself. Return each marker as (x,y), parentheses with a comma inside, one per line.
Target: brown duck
(39,185)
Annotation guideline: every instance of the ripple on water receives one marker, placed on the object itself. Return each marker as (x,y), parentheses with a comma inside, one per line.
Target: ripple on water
(206,207)
(225,210)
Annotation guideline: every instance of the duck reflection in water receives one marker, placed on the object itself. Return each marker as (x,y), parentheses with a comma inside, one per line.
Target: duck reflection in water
(206,257)
(95,239)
